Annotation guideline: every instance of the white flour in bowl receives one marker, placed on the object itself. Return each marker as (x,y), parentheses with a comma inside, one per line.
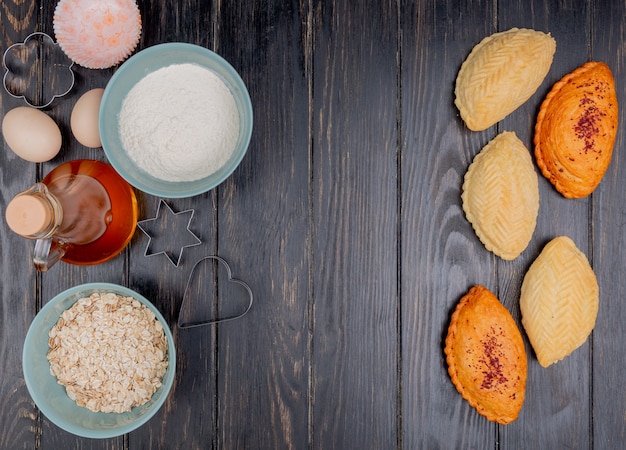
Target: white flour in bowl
(179,123)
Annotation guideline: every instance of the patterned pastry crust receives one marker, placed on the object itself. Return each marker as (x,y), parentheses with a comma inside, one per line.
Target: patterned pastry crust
(500,74)
(501,196)
(486,356)
(576,128)
(559,301)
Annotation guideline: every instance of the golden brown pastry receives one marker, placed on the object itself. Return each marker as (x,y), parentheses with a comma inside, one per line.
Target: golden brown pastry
(501,72)
(576,128)
(486,356)
(559,301)
(501,196)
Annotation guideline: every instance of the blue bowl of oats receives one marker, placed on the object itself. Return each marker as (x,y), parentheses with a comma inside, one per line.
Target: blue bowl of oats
(99,360)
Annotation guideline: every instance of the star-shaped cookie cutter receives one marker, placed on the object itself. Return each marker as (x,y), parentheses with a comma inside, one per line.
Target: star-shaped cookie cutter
(164,240)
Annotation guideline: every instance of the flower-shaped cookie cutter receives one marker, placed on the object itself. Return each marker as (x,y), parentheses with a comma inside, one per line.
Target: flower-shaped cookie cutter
(207,307)
(37,71)
(165,235)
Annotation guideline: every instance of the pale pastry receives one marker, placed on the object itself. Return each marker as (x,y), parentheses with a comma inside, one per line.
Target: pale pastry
(500,74)
(559,301)
(486,356)
(576,129)
(501,196)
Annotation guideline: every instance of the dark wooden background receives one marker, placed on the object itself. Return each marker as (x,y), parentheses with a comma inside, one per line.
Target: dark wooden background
(345,220)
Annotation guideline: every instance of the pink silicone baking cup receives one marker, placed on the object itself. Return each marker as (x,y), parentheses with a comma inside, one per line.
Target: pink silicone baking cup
(97,34)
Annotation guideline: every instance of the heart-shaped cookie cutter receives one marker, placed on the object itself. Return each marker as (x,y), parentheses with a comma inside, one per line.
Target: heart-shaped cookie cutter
(184,325)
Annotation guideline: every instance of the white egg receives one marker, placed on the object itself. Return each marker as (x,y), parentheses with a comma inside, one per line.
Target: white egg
(84,118)
(31,134)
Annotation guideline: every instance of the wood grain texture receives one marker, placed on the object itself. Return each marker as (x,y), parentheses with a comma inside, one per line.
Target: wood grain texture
(18,417)
(63,276)
(355,225)
(188,418)
(441,255)
(608,402)
(20,421)
(555,411)
(263,231)
(345,219)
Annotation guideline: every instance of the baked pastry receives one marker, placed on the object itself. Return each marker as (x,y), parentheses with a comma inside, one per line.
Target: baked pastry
(500,74)
(559,301)
(576,128)
(501,196)
(486,356)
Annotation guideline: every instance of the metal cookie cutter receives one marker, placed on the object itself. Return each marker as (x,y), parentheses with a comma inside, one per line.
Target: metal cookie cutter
(164,233)
(37,71)
(222,285)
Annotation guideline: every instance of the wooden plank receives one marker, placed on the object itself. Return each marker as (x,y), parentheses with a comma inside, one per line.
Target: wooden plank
(441,256)
(608,406)
(263,231)
(556,410)
(355,213)
(19,418)
(189,413)
(345,219)
(26,288)
(63,276)
(188,416)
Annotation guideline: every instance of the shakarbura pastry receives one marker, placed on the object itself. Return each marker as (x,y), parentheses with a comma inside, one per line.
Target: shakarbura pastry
(501,196)
(501,72)
(559,300)
(576,128)
(486,356)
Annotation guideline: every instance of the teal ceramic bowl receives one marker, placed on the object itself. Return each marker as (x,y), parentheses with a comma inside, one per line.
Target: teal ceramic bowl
(130,73)
(51,398)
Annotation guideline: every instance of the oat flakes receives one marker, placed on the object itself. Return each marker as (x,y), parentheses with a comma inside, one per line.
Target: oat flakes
(109,352)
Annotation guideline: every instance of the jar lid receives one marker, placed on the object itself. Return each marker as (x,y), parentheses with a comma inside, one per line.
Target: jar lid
(28,215)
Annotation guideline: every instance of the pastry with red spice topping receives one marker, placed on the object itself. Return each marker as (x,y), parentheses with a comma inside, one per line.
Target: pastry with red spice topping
(576,128)
(486,356)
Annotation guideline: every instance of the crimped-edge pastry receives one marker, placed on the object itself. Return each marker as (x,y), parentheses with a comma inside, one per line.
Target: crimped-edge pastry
(486,356)
(559,300)
(501,196)
(501,72)
(576,128)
